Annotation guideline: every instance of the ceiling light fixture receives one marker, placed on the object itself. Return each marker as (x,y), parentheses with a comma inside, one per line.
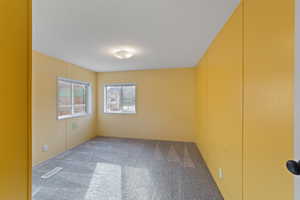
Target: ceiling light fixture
(123,53)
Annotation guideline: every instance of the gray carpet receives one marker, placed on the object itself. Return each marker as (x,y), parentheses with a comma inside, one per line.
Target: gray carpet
(126,169)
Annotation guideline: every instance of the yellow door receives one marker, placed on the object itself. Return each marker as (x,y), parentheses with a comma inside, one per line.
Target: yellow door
(268,100)
(14,99)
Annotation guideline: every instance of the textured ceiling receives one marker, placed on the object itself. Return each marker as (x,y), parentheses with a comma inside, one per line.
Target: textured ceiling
(165,33)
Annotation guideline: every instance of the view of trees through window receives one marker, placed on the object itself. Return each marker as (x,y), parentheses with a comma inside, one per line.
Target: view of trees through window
(120,98)
(72,98)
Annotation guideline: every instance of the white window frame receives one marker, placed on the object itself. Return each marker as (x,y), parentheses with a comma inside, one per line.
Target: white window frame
(88,98)
(120,85)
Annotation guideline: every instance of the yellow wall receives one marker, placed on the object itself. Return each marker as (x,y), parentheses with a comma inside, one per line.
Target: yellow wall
(15,99)
(219,97)
(269,64)
(245,102)
(165,105)
(59,135)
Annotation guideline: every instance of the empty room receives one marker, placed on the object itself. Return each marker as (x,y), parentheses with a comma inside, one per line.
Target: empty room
(149,100)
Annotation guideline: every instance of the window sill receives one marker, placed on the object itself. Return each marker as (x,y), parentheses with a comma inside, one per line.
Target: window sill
(73,116)
(120,113)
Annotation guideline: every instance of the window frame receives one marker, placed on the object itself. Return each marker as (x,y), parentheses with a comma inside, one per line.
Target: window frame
(120,85)
(88,98)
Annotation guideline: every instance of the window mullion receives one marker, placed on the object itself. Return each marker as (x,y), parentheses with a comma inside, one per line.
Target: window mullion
(85,100)
(72,98)
(105,99)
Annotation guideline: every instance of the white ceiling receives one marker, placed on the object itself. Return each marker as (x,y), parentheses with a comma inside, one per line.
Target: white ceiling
(166,33)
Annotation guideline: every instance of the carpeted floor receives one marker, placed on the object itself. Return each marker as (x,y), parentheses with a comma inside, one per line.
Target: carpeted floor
(126,169)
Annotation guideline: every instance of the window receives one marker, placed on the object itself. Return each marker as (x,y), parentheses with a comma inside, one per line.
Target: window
(72,98)
(120,98)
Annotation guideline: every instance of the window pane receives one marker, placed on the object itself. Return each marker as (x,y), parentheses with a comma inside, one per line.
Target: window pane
(79,108)
(128,99)
(120,99)
(79,94)
(64,98)
(113,95)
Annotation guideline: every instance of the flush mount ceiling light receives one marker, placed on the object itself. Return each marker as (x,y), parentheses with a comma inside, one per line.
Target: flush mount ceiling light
(124,53)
